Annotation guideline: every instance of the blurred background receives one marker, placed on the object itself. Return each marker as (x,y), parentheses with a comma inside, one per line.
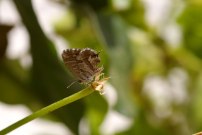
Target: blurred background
(150,49)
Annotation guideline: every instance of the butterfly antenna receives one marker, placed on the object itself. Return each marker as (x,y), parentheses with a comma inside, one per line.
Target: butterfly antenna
(72,84)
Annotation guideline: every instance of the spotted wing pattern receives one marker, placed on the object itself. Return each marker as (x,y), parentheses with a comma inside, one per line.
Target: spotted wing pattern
(83,63)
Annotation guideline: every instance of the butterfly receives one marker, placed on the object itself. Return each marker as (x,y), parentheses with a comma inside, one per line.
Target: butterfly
(83,64)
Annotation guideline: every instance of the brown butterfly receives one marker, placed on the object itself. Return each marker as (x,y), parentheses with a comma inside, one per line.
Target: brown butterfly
(83,63)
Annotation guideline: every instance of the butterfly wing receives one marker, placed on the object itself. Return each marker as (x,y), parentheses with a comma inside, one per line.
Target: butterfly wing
(92,59)
(82,63)
(70,59)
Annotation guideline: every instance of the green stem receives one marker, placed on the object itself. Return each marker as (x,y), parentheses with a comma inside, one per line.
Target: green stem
(48,109)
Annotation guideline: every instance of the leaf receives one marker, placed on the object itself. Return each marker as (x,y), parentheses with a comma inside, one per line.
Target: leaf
(14,83)
(191,22)
(141,126)
(97,108)
(4,29)
(49,77)
(113,31)
(195,109)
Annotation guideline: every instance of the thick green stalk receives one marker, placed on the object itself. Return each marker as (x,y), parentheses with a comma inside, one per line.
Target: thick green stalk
(48,109)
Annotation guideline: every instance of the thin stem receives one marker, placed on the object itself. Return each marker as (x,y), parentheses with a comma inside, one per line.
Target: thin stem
(48,109)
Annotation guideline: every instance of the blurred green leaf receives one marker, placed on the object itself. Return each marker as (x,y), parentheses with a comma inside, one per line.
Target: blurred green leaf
(114,33)
(97,108)
(142,127)
(96,5)
(4,29)
(14,85)
(49,78)
(134,14)
(195,109)
(191,22)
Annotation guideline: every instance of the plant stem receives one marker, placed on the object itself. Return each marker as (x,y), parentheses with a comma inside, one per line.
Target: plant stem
(48,109)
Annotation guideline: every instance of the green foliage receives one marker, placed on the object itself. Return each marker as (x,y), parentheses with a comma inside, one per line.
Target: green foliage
(96,110)
(131,52)
(192,26)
